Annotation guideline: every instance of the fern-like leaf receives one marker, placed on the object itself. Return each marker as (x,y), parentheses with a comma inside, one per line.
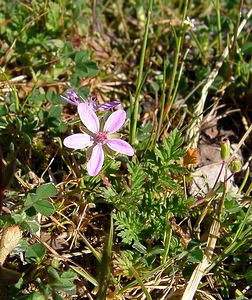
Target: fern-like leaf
(129,226)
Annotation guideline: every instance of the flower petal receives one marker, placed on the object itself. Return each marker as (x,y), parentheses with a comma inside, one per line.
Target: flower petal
(95,163)
(107,106)
(78,141)
(88,117)
(115,121)
(121,146)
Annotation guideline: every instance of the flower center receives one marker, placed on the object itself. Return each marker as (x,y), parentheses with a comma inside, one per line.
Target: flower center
(100,137)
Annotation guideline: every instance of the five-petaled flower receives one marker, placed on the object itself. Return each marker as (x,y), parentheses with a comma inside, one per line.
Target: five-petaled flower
(98,137)
(72,98)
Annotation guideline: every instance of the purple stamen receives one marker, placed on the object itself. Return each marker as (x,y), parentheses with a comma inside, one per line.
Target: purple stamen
(101,137)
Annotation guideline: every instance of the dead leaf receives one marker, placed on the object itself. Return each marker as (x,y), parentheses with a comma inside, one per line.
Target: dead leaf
(9,240)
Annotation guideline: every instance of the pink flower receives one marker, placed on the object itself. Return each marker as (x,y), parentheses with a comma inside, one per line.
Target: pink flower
(99,138)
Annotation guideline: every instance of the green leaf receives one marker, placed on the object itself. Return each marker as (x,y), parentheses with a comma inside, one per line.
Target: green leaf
(19,218)
(170,183)
(75,80)
(32,226)
(55,296)
(35,296)
(46,190)
(38,202)
(84,66)
(21,247)
(65,286)
(248,276)
(35,253)
(55,112)
(170,149)
(195,256)
(63,282)
(26,137)
(52,97)
(138,176)
(129,226)
(31,212)
(70,275)
(139,247)
(30,199)
(18,124)
(44,207)
(82,70)
(92,68)
(81,57)
(62,128)
(247,48)
(3,110)
(69,51)
(53,273)
(193,244)
(53,17)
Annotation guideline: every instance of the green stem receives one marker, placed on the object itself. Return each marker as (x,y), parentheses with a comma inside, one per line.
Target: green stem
(218,5)
(231,248)
(96,254)
(84,274)
(174,94)
(167,241)
(245,179)
(243,223)
(105,272)
(134,115)
(234,44)
(159,131)
(140,282)
(156,270)
(194,37)
(160,121)
(248,190)
(175,66)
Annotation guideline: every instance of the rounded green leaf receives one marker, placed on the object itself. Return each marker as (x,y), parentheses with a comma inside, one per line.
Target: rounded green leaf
(44,207)
(46,190)
(35,253)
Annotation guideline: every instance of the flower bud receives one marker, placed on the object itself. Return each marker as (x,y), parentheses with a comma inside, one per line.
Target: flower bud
(235,165)
(225,149)
(55,263)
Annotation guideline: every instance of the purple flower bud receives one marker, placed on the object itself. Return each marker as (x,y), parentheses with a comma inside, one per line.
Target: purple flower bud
(74,99)
(107,106)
